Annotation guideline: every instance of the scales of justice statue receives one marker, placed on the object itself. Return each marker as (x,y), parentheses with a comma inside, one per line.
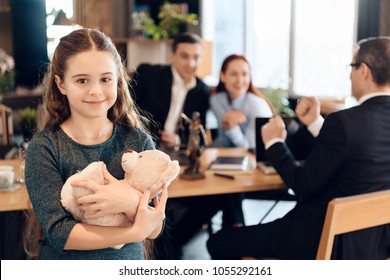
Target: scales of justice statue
(194,148)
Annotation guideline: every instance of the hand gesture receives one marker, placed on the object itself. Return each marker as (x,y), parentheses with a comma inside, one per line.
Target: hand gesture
(308,110)
(232,118)
(275,128)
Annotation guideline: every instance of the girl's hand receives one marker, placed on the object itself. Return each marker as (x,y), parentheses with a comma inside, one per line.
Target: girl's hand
(111,198)
(149,220)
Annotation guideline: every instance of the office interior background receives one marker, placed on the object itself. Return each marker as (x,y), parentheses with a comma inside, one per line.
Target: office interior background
(301,46)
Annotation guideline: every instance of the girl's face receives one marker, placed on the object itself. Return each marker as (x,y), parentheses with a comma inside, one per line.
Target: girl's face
(90,84)
(236,78)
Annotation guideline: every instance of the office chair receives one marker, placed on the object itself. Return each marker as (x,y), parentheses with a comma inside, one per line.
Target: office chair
(353,213)
(349,214)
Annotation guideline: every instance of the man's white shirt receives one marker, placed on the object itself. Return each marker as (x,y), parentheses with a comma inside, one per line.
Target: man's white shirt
(179,94)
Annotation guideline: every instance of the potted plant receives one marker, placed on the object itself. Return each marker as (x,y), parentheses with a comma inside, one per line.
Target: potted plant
(171,20)
(279,99)
(28,122)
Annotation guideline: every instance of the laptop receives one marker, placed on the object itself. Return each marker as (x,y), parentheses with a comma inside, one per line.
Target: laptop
(299,140)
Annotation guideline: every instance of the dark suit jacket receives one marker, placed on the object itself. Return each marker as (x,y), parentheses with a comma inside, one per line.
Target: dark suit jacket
(351,156)
(152,88)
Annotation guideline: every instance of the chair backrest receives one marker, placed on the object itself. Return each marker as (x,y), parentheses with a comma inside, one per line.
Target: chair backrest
(353,213)
(6,125)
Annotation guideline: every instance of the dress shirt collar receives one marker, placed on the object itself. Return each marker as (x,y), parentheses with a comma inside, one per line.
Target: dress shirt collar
(177,79)
(371,95)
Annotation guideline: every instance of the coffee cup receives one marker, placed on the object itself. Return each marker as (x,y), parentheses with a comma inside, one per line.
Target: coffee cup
(7,177)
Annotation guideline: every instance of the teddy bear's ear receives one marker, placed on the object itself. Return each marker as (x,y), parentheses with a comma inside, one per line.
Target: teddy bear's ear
(129,151)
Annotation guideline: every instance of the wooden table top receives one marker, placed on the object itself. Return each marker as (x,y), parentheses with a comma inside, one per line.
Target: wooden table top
(18,199)
(212,185)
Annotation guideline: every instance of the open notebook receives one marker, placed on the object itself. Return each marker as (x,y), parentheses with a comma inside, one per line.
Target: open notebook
(299,140)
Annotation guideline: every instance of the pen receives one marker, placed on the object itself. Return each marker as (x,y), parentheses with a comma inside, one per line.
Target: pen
(225,176)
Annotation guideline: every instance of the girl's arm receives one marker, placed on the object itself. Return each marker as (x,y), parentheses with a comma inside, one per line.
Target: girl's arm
(105,201)
(115,196)
(158,230)
(147,220)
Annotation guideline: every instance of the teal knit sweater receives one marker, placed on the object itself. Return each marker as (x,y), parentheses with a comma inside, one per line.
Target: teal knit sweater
(52,157)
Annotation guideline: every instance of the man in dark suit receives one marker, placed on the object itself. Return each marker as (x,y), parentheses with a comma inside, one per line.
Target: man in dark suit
(165,91)
(351,156)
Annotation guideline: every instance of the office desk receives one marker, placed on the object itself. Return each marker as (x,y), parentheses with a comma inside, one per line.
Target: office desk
(212,185)
(12,218)
(14,200)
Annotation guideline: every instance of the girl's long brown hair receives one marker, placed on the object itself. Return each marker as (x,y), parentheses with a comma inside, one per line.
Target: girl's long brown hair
(251,88)
(57,110)
(57,107)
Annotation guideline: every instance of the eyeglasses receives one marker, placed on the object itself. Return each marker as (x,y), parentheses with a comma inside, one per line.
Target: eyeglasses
(356,65)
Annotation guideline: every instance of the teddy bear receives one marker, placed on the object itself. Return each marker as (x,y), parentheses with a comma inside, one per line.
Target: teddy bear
(147,170)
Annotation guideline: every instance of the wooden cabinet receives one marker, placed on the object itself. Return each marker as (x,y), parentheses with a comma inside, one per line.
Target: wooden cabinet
(108,16)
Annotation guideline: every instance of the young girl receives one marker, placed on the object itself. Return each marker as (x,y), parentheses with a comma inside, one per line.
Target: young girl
(90,116)
(237,103)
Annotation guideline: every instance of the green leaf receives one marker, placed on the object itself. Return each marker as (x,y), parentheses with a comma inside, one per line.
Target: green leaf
(279,99)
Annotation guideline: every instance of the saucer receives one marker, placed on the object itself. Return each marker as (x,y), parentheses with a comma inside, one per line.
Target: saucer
(13,188)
